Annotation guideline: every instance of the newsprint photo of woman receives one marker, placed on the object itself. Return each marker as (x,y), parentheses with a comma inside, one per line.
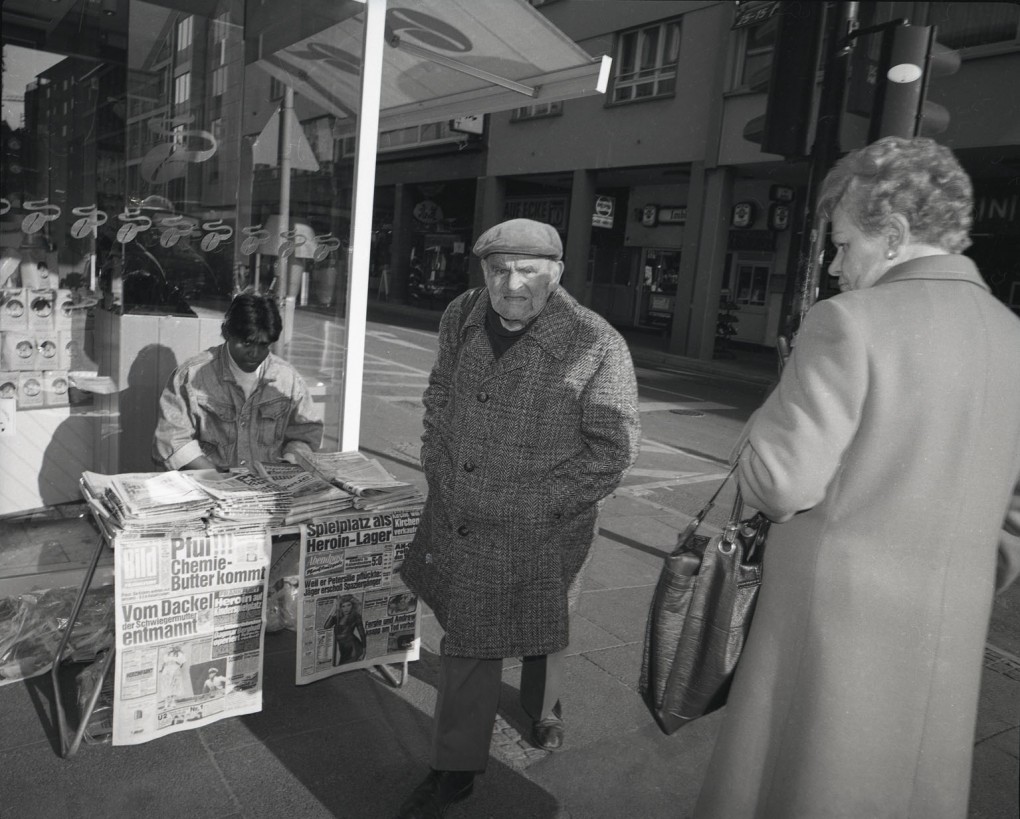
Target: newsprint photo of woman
(348,630)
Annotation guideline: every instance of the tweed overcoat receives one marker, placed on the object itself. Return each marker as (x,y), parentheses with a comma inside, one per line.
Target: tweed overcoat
(890,454)
(518,454)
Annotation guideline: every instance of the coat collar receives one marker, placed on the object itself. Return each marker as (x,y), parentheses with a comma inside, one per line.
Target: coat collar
(945,267)
(551,329)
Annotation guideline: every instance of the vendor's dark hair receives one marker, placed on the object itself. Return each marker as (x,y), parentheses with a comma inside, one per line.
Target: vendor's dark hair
(249,315)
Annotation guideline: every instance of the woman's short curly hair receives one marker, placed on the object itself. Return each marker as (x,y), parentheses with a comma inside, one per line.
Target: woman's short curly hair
(917,178)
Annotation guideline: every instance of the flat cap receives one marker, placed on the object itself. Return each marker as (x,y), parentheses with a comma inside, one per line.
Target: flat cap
(524,237)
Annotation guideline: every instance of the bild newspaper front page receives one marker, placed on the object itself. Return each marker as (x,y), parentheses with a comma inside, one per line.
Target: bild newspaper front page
(353,610)
(190,614)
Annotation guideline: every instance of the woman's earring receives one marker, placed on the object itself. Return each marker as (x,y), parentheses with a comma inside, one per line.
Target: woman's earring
(890,254)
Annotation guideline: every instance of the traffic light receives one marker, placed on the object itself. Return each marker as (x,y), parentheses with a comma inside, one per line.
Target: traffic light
(911,56)
(787,121)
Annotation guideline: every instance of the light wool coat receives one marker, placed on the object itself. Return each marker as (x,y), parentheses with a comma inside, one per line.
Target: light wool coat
(518,454)
(890,451)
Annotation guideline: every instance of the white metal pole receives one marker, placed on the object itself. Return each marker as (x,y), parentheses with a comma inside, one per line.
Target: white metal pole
(286,301)
(361,224)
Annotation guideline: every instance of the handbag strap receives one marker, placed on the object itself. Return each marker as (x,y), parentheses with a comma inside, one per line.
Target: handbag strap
(737,512)
(699,518)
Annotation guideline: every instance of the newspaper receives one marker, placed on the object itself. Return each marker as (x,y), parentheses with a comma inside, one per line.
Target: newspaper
(362,476)
(190,612)
(353,609)
(311,496)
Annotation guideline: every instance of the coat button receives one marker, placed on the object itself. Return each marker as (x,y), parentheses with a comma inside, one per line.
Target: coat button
(469,467)
(483,397)
(463,531)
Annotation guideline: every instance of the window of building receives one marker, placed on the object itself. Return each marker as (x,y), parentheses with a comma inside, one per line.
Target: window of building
(276,89)
(759,42)
(542,109)
(184,33)
(646,61)
(182,88)
(977,25)
(401,139)
(219,81)
(221,27)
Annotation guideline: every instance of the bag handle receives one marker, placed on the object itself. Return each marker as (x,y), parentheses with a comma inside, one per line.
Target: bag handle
(698,519)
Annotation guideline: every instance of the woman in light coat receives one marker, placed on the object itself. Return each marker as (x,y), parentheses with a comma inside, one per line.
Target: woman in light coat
(889,456)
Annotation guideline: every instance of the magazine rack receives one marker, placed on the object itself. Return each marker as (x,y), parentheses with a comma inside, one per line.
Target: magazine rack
(70,741)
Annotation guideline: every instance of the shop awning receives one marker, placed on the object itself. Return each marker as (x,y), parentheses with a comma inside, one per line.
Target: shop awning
(442,59)
(408,62)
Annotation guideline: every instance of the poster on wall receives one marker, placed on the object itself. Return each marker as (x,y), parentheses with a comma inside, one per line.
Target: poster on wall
(354,611)
(190,617)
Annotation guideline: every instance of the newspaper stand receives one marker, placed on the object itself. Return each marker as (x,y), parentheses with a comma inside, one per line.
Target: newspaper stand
(70,741)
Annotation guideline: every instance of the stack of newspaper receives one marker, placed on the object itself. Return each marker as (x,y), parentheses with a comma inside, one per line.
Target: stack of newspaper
(311,496)
(241,498)
(365,478)
(146,503)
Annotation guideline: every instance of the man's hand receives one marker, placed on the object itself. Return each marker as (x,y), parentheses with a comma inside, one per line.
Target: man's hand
(201,462)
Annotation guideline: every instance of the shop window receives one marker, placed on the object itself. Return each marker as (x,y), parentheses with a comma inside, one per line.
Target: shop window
(184,33)
(749,282)
(543,109)
(646,61)
(980,26)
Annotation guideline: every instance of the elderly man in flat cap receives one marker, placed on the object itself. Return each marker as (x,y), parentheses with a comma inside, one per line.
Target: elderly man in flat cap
(531,420)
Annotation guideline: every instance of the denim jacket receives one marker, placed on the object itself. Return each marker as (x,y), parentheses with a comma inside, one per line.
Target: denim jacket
(203,411)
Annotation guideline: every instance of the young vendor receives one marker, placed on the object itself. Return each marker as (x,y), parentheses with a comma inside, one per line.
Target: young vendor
(236,403)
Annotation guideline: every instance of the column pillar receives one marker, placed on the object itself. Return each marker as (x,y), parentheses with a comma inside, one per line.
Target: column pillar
(582,200)
(489,197)
(711,260)
(401,242)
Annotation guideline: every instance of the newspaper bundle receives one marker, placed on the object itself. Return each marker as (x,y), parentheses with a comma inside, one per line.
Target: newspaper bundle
(139,503)
(365,478)
(190,615)
(353,610)
(241,497)
(311,496)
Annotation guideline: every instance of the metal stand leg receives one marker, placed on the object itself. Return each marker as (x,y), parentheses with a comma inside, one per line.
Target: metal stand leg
(387,672)
(68,749)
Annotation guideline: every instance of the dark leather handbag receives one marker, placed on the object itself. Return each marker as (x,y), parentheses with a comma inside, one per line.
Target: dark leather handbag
(700,616)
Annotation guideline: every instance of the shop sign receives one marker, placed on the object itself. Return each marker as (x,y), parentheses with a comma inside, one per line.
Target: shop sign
(603,214)
(549,209)
(468,124)
(743,215)
(779,216)
(755,14)
(672,215)
(997,211)
(428,213)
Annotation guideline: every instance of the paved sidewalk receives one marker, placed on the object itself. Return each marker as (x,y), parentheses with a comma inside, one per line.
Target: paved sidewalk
(353,745)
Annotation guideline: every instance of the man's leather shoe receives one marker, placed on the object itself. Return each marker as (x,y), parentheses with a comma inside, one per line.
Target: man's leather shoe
(433,796)
(547,733)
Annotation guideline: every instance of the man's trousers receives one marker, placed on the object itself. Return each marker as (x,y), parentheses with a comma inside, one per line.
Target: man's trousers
(467,701)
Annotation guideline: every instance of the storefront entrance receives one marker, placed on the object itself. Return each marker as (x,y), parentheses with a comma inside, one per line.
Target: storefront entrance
(657,288)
